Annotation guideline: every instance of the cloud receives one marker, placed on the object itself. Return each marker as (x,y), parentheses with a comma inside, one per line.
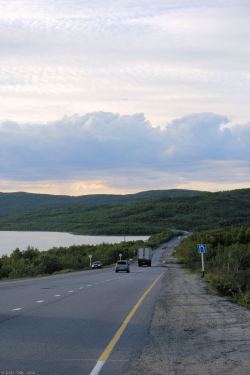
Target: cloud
(162,58)
(167,58)
(69,187)
(76,145)
(112,151)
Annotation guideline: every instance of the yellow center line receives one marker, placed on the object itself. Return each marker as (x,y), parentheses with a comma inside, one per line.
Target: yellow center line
(109,348)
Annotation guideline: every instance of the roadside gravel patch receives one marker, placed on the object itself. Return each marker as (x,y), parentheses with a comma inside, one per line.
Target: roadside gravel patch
(193,332)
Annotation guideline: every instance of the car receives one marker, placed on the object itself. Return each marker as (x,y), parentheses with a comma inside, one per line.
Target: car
(96,264)
(122,265)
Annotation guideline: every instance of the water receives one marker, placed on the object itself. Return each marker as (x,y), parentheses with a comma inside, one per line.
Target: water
(10,240)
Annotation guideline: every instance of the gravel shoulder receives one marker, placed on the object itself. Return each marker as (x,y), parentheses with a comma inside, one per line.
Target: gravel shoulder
(193,332)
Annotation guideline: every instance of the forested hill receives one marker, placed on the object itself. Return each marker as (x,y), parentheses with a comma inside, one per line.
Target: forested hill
(143,213)
(23,202)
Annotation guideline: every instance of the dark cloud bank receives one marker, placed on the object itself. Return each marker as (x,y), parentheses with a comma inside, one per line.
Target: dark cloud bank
(78,147)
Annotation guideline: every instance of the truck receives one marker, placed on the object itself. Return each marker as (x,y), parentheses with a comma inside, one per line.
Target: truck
(144,256)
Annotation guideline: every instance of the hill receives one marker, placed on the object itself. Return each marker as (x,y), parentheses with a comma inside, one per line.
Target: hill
(142,213)
(23,202)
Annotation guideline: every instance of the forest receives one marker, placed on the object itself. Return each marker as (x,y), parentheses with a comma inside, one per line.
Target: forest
(144,213)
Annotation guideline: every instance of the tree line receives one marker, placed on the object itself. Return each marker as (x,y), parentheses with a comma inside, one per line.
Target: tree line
(32,262)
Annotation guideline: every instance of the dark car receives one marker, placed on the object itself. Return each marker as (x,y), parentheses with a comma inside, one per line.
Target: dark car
(96,264)
(122,265)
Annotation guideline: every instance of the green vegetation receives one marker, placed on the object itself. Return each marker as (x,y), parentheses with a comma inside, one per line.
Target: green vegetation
(24,202)
(227,260)
(32,262)
(143,213)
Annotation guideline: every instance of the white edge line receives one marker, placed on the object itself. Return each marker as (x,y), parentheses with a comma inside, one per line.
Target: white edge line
(96,370)
(57,295)
(17,309)
(40,301)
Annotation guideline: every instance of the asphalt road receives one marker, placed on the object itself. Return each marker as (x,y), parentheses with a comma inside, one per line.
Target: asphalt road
(61,324)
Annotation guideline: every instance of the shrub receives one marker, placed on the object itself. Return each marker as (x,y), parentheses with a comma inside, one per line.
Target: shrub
(227,260)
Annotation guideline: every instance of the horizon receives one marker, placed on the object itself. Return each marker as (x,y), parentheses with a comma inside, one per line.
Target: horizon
(118,98)
(136,192)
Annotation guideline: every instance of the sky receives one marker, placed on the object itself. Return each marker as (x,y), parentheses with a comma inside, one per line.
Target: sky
(123,96)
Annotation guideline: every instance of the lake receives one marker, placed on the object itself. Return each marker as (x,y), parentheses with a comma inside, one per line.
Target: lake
(10,240)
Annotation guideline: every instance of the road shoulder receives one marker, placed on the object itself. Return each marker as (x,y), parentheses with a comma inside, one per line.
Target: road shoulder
(193,332)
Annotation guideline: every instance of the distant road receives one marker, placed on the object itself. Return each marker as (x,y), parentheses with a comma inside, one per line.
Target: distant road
(61,324)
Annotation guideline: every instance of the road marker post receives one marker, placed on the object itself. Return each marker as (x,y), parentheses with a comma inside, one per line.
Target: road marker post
(90,260)
(202,249)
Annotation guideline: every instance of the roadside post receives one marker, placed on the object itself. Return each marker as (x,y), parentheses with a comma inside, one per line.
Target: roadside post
(90,260)
(202,249)
(120,256)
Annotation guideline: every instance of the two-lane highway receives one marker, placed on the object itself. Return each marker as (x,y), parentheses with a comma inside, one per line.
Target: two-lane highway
(62,324)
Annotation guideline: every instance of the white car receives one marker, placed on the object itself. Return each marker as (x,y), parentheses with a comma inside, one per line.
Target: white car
(96,264)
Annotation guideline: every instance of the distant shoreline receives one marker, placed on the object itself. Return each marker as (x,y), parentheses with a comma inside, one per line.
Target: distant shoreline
(44,240)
